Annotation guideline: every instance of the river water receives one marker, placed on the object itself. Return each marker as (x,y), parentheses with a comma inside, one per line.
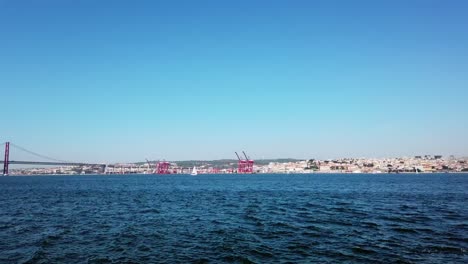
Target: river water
(335,218)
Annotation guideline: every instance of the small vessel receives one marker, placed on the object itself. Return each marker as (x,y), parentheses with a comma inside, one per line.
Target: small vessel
(194,172)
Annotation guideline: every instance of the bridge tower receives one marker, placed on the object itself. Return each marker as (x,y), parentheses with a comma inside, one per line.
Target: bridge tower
(6,160)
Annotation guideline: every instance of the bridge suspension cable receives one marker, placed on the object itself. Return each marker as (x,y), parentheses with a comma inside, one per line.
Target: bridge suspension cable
(37,154)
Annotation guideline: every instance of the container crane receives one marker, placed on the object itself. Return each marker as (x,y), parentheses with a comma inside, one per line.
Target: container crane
(149,165)
(241,164)
(249,164)
(163,167)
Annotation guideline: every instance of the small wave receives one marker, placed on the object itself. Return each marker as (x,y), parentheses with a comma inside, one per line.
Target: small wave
(116,248)
(38,256)
(237,259)
(144,248)
(461,226)
(219,232)
(370,225)
(6,226)
(407,207)
(311,234)
(201,261)
(340,209)
(254,221)
(300,248)
(421,218)
(404,230)
(284,225)
(458,239)
(399,219)
(261,253)
(99,260)
(277,233)
(426,230)
(343,203)
(313,228)
(444,250)
(360,250)
(435,249)
(311,205)
(340,223)
(149,211)
(304,215)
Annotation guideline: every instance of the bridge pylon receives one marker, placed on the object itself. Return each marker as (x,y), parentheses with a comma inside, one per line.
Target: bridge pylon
(6,160)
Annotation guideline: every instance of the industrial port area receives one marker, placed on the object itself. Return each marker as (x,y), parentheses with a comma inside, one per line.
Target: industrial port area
(246,165)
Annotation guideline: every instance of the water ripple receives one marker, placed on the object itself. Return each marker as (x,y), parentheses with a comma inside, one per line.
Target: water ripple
(234,219)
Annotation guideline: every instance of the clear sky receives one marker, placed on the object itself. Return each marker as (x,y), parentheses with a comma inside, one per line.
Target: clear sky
(127,80)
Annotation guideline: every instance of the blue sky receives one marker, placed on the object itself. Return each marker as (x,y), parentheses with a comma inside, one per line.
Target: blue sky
(126,80)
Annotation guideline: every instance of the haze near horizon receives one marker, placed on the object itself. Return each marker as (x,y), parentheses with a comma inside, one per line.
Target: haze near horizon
(197,80)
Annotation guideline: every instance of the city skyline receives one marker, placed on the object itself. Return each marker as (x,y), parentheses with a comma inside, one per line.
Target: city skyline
(123,82)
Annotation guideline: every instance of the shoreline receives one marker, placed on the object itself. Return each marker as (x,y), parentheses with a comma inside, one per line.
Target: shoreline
(217,174)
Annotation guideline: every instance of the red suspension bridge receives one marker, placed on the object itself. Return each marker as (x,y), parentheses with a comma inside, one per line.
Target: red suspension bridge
(49,161)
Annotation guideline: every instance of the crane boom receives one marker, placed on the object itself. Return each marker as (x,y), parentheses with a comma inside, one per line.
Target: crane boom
(237,156)
(149,164)
(245,156)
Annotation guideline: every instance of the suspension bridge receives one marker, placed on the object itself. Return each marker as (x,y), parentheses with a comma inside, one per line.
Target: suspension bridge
(48,160)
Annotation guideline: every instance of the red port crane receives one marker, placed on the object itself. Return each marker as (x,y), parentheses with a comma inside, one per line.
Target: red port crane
(249,164)
(163,167)
(244,166)
(241,164)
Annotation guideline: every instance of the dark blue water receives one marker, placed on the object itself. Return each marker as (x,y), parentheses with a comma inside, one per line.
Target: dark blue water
(235,218)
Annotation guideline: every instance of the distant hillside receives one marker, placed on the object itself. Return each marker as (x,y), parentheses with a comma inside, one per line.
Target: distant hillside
(223,163)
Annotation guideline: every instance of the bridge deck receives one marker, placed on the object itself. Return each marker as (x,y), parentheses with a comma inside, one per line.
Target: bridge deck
(22,162)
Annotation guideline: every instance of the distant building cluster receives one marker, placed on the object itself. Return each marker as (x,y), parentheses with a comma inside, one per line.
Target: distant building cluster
(416,164)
